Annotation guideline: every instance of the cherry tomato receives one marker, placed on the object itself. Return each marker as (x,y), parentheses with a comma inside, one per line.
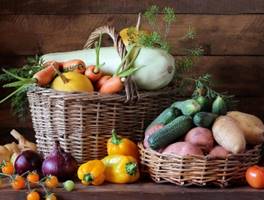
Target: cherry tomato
(51,197)
(52,182)
(8,168)
(33,177)
(33,196)
(255,176)
(69,185)
(18,183)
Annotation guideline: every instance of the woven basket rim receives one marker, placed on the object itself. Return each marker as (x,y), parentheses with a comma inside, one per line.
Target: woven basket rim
(205,158)
(96,95)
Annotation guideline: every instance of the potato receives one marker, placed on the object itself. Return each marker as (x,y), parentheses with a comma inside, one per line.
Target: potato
(201,137)
(183,149)
(218,152)
(227,133)
(252,127)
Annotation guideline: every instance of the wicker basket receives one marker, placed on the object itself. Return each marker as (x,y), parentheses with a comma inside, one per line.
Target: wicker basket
(83,122)
(198,170)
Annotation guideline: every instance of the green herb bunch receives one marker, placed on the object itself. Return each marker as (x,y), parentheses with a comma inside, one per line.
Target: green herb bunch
(19,102)
(158,36)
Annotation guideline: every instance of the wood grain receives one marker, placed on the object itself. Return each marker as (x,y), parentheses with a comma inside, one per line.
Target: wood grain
(145,190)
(240,75)
(128,6)
(218,34)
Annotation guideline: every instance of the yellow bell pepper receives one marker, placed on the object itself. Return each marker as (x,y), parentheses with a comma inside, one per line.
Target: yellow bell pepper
(122,146)
(121,169)
(92,172)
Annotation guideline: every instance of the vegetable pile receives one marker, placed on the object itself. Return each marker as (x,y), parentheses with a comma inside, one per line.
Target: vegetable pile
(28,170)
(203,125)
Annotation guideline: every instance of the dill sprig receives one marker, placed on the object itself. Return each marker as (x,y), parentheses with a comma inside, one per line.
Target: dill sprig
(19,102)
(160,31)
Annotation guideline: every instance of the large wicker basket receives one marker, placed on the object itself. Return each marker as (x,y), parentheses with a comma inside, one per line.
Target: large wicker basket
(82,122)
(198,170)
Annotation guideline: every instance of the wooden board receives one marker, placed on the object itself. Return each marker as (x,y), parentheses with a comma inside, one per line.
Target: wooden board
(240,75)
(146,191)
(128,6)
(218,34)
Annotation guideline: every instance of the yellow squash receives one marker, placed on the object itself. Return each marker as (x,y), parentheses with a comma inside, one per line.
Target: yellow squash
(92,172)
(121,146)
(131,35)
(121,169)
(74,82)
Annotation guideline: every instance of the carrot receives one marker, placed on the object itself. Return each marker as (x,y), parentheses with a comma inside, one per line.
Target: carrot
(112,85)
(93,72)
(46,75)
(101,82)
(74,65)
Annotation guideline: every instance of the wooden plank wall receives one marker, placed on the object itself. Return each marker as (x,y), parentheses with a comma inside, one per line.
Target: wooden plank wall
(231,32)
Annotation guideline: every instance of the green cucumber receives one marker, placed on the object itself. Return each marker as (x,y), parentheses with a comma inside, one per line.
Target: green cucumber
(187,107)
(204,119)
(166,116)
(219,106)
(204,103)
(170,133)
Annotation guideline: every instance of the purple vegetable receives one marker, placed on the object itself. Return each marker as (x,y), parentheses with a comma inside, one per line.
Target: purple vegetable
(28,161)
(59,163)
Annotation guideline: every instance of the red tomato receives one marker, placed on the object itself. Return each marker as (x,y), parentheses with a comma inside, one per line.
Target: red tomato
(255,176)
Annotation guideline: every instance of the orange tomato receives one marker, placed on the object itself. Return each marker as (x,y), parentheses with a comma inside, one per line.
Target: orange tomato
(52,182)
(33,196)
(33,177)
(18,183)
(255,176)
(8,168)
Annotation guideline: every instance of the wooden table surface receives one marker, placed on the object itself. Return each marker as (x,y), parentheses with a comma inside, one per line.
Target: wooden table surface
(146,191)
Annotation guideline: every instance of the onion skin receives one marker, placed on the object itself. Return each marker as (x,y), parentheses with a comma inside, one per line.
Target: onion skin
(28,161)
(59,163)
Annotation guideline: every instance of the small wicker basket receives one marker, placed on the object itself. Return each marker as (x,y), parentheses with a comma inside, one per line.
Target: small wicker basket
(198,170)
(82,122)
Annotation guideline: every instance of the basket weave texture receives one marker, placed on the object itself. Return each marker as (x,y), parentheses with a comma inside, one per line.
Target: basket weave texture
(82,122)
(198,170)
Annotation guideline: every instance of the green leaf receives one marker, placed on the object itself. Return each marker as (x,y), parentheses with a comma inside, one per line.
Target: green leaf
(129,72)
(169,15)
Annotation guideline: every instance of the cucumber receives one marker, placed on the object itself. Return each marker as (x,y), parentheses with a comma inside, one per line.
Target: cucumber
(219,106)
(187,107)
(166,116)
(170,133)
(204,103)
(204,119)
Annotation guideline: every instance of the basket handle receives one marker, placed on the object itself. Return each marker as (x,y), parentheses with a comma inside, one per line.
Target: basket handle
(132,94)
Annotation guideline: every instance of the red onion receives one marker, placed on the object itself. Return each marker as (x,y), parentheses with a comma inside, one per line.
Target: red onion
(59,163)
(28,161)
